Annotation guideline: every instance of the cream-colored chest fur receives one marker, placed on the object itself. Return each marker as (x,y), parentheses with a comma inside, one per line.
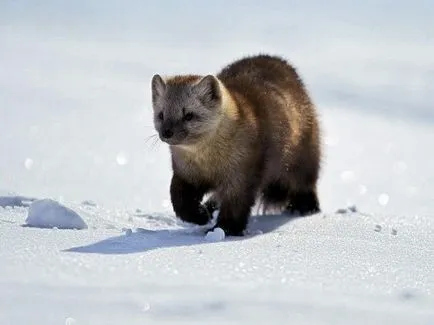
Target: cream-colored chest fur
(225,153)
(213,162)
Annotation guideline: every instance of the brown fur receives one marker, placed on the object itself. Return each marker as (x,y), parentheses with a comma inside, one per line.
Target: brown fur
(184,79)
(265,144)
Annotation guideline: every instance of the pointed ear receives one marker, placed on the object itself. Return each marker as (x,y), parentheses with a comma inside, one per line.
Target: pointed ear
(158,86)
(208,90)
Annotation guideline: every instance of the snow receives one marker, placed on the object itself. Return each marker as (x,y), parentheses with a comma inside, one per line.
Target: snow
(15,201)
(323,269)
(217,234)
(48,213)
(76,127)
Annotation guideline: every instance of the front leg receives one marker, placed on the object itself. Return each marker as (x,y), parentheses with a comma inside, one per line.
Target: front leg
(212,204)
(235,211)
(186,201)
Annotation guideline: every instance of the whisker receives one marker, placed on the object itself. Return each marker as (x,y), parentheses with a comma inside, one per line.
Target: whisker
(153,136)
(154,141)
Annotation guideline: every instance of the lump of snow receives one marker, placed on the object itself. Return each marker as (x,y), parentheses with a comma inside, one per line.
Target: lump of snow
(348,209)
(217,234)
(48,213)
(89,203)
(15,201)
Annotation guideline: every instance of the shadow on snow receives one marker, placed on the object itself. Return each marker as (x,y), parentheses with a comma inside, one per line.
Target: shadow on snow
(146,240)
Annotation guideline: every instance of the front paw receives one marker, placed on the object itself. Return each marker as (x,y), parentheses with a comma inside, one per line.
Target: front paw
(231,227)
(199,216)
(211,205)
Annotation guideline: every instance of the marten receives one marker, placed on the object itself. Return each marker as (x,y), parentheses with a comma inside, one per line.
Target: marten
(248,134)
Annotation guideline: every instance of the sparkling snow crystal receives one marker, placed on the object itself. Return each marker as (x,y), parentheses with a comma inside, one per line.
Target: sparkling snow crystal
(121,159)
(383,199)
(28,163)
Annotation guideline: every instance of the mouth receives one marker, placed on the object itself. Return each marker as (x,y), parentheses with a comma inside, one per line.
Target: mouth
(172,141)
(186,141)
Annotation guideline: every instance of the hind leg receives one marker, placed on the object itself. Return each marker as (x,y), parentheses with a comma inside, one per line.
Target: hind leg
(275,195)
(303,178)
(303,203)
(292,201)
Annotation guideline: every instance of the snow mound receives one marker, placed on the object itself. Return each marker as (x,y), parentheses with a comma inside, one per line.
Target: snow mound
(15,201)
(218,234)
(48,213)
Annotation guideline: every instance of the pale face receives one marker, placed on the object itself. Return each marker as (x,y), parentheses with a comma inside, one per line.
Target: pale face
(185,112)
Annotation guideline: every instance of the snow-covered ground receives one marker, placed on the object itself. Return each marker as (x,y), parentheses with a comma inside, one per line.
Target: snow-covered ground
(75,116)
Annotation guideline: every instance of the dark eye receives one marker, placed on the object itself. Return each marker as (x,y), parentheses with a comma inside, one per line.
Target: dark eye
(188,116)
(160,116)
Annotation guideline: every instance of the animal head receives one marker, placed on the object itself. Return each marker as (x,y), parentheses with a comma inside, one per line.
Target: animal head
(186,108)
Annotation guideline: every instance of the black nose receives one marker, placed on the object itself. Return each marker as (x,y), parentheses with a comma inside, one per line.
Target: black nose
(167,133)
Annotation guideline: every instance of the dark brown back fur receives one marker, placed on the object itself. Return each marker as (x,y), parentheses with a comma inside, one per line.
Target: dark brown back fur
(288,126)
